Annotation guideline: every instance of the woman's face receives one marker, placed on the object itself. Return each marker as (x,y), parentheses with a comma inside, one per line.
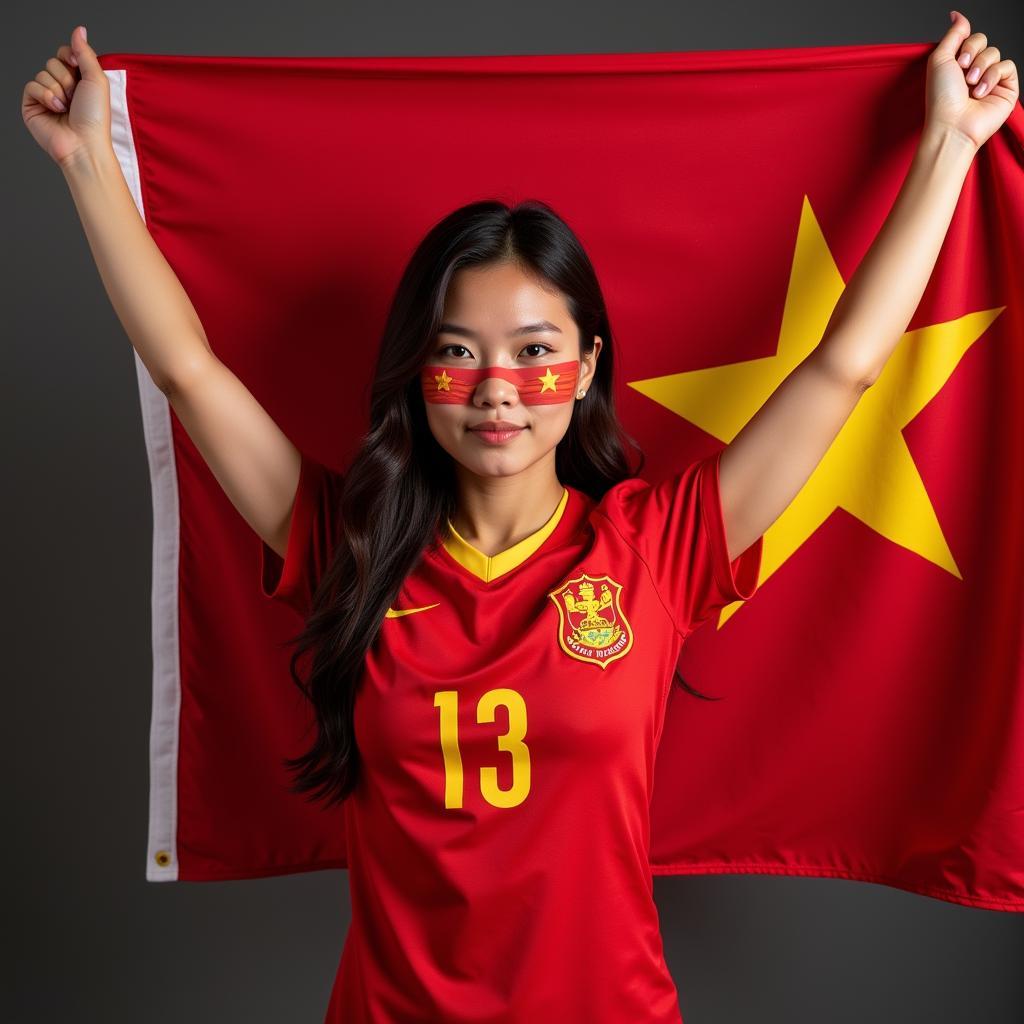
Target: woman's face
(486,311)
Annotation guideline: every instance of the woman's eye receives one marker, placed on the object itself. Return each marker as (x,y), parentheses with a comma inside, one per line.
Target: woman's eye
(444,350)
(537,344)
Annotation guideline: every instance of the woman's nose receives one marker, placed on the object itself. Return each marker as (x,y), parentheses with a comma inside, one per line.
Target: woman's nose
(495,391)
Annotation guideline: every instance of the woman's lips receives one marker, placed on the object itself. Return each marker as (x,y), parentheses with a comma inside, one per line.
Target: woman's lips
(497,436)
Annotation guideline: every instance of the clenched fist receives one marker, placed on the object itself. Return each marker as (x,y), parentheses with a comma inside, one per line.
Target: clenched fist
(67,106)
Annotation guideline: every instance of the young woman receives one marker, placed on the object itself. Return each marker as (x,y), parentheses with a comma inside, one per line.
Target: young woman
(494,601)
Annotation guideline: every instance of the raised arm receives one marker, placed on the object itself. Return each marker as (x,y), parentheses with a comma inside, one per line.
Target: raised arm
(773,456)
(250,456)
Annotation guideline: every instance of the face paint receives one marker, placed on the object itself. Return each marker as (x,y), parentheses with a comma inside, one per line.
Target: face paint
(537,385)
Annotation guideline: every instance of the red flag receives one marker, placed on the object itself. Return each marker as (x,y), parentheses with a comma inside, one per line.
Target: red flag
(871,724)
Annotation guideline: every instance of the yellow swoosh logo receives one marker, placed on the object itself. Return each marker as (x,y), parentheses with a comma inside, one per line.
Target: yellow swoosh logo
(393,613)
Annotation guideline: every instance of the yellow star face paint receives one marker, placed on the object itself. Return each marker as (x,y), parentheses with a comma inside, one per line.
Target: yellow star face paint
(537,385)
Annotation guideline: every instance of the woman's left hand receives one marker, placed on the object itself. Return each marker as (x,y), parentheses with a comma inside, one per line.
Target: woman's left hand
(969,90)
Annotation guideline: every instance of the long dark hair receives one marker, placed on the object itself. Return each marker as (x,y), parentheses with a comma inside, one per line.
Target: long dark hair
(400,486)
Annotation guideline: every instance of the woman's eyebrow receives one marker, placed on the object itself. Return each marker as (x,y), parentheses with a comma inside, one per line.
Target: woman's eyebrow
(539,327)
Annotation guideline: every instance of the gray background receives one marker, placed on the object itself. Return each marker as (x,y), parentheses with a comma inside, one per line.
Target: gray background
(88,938)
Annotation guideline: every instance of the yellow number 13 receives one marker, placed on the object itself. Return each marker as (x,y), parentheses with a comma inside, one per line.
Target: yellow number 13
(511,741)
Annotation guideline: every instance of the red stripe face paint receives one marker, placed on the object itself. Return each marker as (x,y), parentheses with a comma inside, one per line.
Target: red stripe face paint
(537,385)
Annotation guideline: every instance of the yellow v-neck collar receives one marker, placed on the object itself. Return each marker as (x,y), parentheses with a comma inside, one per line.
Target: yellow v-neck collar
(489,567)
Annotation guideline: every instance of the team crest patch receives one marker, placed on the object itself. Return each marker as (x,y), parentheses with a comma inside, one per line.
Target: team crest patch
(591,623)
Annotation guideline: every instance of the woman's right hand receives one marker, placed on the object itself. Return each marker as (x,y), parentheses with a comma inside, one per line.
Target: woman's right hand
(66,107)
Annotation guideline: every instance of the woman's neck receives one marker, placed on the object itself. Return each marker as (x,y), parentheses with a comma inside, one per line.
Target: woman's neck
(495,512)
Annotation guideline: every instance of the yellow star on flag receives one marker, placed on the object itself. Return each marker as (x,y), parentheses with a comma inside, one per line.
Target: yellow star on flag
(869,471)
(443,381)
(548,381)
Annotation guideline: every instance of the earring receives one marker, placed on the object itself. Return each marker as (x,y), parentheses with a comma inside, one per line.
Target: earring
(580,394)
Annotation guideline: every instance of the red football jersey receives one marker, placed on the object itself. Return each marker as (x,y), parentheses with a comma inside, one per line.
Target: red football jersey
(508,718)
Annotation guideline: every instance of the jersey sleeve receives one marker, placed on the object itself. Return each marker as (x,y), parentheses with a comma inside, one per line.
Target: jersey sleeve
(677,529)
(311,539)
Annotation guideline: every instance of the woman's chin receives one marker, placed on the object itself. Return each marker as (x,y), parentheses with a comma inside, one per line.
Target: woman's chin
(494,464)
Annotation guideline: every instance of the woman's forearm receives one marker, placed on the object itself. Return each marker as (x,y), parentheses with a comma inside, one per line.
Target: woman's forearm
(882,295)
(150,302)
